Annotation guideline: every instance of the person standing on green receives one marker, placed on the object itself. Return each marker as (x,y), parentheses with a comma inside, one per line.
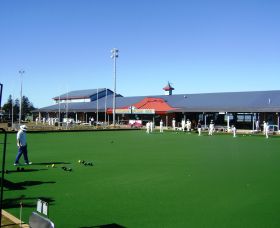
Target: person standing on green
(22,146)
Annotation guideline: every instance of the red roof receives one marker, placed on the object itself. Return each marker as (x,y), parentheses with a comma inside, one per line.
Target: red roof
(158,104)
(168,87)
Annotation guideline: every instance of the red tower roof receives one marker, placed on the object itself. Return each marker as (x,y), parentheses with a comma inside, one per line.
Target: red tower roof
(168,87)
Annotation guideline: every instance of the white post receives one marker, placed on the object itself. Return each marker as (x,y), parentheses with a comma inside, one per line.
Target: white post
(228,127)
(21,72)
(12,113)
(67,110)
(76,117)
(105,107)
(205,116)
(253,123)
(59,110)
(114,55)
(278,121)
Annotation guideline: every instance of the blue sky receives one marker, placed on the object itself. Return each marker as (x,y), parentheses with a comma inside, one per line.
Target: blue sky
(198,45)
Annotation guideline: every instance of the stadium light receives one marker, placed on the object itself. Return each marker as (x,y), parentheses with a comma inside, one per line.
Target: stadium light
(114,56)
(21,72)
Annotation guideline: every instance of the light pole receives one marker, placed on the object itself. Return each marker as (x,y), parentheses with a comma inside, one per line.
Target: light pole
(105,108)
(21,72)
(12,113)
(97,107)
(114,56)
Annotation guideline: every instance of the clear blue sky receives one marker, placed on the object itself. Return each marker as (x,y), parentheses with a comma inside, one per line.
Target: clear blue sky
(198,45)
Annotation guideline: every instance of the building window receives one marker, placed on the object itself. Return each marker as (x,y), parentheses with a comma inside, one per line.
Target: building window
(244,117)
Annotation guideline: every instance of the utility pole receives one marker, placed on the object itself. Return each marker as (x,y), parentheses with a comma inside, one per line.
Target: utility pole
(21,72)
(114,56)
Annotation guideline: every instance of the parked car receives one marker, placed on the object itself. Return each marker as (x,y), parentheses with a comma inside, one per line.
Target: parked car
(273,128)
(135,123)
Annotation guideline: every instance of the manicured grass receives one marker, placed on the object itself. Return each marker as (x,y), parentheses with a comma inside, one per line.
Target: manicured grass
(156,180)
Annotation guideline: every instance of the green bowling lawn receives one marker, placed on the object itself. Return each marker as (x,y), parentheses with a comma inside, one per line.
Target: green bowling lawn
(155,180)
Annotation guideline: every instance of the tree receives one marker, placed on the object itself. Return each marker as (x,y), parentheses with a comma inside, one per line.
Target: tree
(27,107)
(7,108)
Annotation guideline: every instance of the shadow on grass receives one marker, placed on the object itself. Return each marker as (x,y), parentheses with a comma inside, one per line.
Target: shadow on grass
(15,202)
(33,183)
(113,225)
(50,163)
(12,186)
(25,169)
(22,185)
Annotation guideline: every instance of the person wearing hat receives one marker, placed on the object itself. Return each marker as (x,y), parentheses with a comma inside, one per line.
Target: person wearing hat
(189,125)
(148,127)
(233,129)
(264,127)
(161,126)
(173,124)
(183,123)
(266,130)
(199,128)
(211,128)
(22,146)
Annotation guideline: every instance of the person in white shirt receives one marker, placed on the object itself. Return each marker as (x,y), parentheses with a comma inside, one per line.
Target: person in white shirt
(174,124)
(264,127)
(183,124)
(266,130)
(151,126)
(211,128)
(233,129)
(148,127)
(22,146)
(199,128)
(257,125)
(91,121)
(189,125)
(161,126)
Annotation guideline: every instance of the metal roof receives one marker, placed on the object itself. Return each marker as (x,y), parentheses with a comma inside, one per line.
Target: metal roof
(80,94)
(255,101)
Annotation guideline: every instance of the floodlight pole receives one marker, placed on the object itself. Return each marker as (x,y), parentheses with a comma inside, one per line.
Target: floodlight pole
(97,107)
(12,113)
(21,72)
(114,56)
(59,111)
(66,111)
(105,108)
